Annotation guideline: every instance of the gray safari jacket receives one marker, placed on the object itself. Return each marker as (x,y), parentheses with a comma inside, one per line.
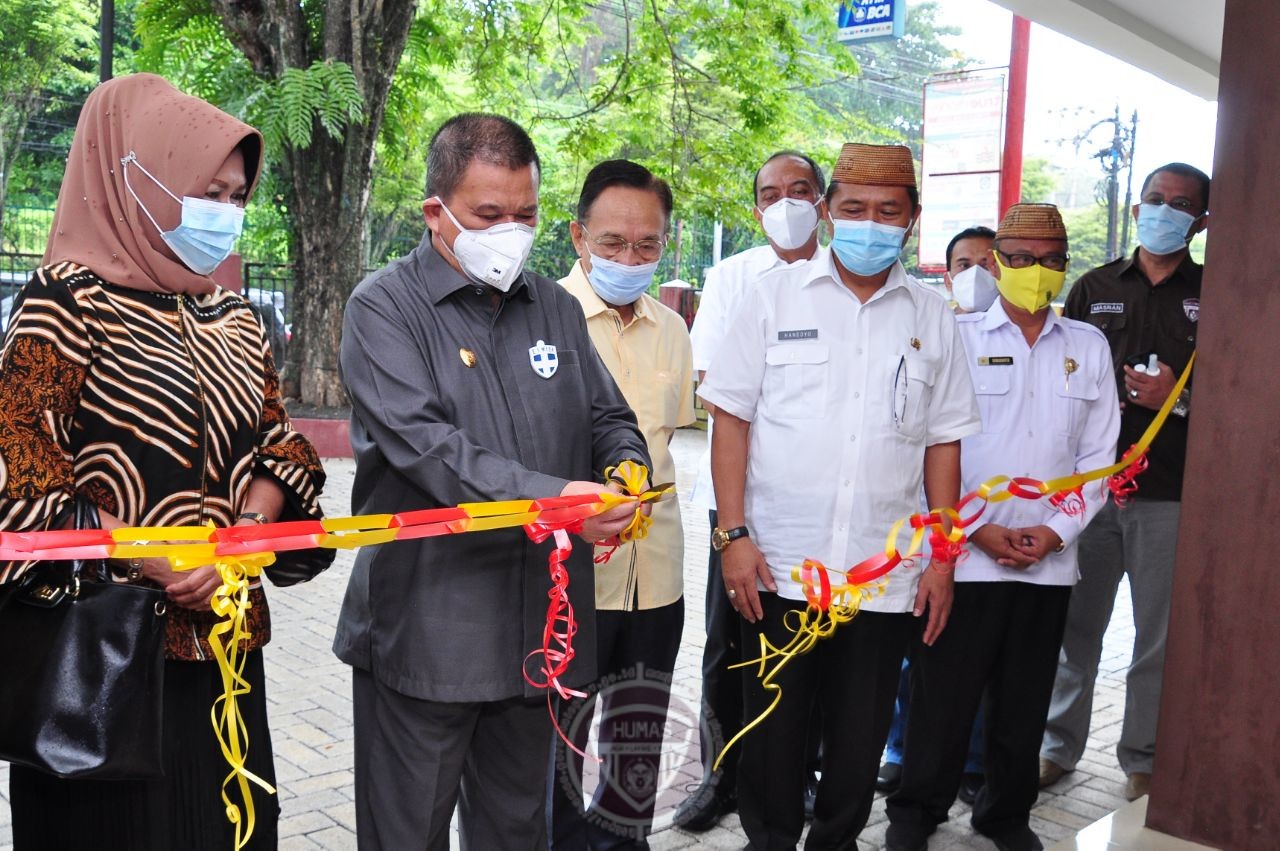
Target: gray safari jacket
(448,407)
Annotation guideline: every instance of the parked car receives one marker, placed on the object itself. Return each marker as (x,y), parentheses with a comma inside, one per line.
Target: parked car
(269,305)
(10,283)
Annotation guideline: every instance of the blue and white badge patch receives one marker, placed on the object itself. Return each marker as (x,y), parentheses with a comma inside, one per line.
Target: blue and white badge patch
(542,358)
(1191,307)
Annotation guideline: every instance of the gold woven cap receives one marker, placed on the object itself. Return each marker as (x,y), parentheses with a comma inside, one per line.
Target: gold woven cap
(875,165)
(1032,221)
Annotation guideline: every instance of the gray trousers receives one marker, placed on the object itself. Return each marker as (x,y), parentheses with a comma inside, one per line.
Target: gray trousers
(418,759)
(1138,540)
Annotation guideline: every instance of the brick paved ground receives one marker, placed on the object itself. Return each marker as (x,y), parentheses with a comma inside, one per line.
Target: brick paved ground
(310,705)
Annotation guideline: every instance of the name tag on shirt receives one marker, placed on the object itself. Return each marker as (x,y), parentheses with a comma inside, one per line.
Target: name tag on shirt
(996,360)
(802,334)
(1107,307)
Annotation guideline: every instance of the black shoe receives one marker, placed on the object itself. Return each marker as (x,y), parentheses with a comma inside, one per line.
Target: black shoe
(810,795)
(889,777)
(970,784)
(703,810)
(1019,839)
(906,837)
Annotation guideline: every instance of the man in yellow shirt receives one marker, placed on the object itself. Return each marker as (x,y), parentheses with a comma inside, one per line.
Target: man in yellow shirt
(623,216)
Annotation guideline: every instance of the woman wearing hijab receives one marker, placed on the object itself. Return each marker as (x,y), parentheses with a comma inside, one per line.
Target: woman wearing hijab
(129,379)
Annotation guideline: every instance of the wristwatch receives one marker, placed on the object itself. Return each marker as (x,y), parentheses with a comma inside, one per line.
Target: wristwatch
(721,538)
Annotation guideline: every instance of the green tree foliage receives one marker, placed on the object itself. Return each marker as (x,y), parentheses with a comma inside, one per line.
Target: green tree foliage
(1038,180)
(1087,234)
(42,44)
(700,91)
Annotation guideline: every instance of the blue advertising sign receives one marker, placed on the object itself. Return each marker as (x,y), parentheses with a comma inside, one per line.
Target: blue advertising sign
(871,20)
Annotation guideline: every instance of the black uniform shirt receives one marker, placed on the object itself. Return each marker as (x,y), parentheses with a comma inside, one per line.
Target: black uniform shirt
(453,400)
(1139,319)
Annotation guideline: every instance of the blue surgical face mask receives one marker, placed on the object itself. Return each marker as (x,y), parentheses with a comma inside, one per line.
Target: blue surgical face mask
(617,284)
(1162,229)
(866,248)
(207,232)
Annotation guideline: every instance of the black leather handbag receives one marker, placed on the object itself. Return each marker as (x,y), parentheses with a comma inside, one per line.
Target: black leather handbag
(81,687)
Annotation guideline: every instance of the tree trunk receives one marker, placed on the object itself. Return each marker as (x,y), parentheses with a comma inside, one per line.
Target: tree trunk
(11,134)
(329,220)
(330,179)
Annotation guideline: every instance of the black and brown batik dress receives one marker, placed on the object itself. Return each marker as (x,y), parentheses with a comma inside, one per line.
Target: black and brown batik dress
(159,408)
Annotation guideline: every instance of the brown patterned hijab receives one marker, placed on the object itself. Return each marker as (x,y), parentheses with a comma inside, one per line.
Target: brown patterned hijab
(179,139)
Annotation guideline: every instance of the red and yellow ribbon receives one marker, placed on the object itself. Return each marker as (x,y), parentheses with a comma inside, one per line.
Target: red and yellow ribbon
(834,597)
(239,553)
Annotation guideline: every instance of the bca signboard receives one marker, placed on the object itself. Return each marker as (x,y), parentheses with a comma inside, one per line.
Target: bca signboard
(869,20)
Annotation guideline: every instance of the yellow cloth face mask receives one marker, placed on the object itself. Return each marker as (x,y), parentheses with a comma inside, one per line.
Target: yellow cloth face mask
(1032,288)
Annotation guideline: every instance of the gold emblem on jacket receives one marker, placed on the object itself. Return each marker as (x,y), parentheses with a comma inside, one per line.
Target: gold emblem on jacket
(468,357)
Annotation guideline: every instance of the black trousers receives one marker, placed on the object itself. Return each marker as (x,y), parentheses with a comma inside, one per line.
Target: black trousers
(1002,637)
(721,687)
(853,677)
(637,651)
(418,760)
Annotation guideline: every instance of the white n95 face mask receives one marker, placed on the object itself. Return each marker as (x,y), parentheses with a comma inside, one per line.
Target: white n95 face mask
(974,289)
(493,256)
(789,222)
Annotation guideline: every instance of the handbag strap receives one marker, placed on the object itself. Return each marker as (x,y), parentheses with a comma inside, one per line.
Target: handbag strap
(86,517)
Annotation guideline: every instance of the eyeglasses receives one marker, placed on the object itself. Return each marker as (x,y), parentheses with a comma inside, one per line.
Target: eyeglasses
(1053,262)
(1182,205)
(612,247)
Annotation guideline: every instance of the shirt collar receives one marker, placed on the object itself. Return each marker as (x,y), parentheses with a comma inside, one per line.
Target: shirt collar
(442,280)
(823,267)
(579,286)
(996,317)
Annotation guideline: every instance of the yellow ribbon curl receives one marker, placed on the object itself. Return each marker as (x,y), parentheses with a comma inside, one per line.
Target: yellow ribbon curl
(812,625)
(227,638)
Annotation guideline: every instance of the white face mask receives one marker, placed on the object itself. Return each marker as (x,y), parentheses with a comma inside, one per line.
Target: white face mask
(789,222)
(207,232)
(493,256)
(974,289)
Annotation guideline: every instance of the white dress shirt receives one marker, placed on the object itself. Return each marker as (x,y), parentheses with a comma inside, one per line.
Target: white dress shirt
(727,285)
(842,397)
(1048,410)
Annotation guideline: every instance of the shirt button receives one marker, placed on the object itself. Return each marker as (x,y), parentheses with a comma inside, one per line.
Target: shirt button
(479,290)
(859,351)
(1031,434)
(857,395)
(1031,393)
(846,483)
(852,437)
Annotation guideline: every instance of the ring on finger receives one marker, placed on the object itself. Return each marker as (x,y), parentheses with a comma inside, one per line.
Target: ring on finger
(732,593)
(1133,394)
